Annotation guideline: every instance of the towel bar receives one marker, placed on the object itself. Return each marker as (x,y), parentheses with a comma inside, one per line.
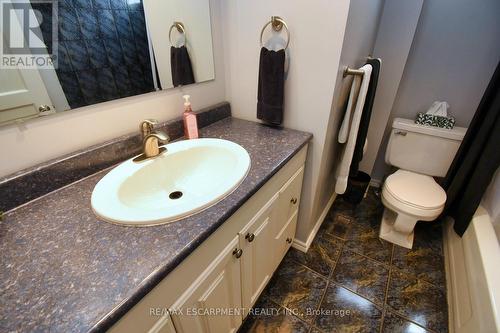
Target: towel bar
(350,71)
(277,23)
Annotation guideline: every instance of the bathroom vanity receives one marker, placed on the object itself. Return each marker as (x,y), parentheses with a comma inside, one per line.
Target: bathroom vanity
(65,270)
(229,270)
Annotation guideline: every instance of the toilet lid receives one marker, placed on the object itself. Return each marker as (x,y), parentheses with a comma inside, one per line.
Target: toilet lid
(416,190)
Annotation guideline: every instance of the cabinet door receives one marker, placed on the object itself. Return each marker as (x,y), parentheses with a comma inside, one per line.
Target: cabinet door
(164,325)
(285,215)
(257,259)
(213,302)
(283,240)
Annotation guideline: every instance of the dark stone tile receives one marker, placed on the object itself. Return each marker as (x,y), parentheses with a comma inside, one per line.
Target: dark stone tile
(337,225)
(122,81)
(396,324)
(118,4)
(129,52)
(342,207)
(102,4)
(370,206)
(270,317)
(321,256)
(115,53)
(363,238)
(343,311)
(107,86)
(88,23)
(65,3)
(78,54)
(97,53)
(138,22)
(87,4)
(296,288)
(122,22)
(425,260)
(107,26)
(418,301)
(69,29)
(138,80)
(89,86)
(362,275)
(71,88)
(63,61)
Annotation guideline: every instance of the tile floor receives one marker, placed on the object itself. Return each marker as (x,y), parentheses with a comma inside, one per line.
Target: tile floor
(351,281)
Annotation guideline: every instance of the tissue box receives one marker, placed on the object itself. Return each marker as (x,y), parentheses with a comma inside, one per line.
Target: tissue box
(432,120)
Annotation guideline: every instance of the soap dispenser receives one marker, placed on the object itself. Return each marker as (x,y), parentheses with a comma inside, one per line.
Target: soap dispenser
(190,123)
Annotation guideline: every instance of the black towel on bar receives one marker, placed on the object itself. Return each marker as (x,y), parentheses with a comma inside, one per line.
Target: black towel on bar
(365,117)
(182,71)
(271,86)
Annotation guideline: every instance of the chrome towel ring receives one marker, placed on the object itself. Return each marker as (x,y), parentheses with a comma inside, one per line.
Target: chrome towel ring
(277,24)
(180,28)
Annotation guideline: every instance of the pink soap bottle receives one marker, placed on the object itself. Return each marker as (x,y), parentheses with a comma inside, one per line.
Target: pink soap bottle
(190,124)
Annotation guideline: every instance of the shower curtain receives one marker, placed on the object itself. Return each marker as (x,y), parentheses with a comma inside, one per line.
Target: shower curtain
(477,159)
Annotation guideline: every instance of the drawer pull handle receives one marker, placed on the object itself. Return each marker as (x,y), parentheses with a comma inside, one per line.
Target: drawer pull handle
(237,253)
(250,237)
(289,240)
(293,201)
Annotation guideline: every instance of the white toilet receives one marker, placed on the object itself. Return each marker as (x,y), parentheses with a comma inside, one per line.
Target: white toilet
(411,194)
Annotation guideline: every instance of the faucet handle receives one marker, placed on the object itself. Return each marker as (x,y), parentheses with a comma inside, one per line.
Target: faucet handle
(146,127)
(161,136)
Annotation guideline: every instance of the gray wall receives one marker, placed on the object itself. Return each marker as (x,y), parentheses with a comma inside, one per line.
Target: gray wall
(454,53)
(397,27)
(359,39)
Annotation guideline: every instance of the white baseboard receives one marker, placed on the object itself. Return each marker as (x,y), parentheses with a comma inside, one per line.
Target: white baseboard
(304,246)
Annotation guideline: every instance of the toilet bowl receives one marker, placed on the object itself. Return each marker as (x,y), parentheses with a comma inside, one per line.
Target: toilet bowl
(411,194)
(409,197)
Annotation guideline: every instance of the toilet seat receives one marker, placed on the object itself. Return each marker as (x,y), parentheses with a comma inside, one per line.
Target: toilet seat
(414,194)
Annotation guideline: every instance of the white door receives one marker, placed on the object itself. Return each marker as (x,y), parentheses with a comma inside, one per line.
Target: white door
(256,241)
(212,303)
(22,90)
(22,94)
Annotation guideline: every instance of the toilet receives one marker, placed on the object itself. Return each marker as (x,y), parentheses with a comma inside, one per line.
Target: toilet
(411,194)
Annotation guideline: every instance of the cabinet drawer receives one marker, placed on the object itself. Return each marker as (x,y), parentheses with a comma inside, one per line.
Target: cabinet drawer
(285,237)
(289,198)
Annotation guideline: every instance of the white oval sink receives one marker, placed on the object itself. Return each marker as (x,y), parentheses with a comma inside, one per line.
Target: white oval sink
(189,177)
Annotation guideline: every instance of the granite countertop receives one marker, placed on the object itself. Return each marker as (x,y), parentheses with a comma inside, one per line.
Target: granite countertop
(64,270)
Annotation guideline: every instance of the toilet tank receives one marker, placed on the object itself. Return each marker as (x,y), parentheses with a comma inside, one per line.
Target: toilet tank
(423,149)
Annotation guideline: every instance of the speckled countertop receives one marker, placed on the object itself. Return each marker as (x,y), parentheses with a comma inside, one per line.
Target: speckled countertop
(64,270)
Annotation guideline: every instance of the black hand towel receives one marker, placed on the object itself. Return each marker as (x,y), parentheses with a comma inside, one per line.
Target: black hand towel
(271,86)
(365,117)
(182,71)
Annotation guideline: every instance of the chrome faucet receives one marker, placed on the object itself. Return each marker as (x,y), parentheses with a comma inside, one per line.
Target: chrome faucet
(151,140)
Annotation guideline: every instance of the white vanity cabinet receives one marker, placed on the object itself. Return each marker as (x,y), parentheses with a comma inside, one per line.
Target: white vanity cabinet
(213,288)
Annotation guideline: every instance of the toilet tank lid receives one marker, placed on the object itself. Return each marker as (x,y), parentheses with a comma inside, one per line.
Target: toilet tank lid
(456,133)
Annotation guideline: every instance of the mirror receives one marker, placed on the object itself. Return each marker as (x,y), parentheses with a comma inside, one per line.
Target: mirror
(181,33)
(58,56)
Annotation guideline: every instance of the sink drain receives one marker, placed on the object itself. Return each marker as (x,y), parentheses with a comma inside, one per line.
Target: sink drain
(175,195)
